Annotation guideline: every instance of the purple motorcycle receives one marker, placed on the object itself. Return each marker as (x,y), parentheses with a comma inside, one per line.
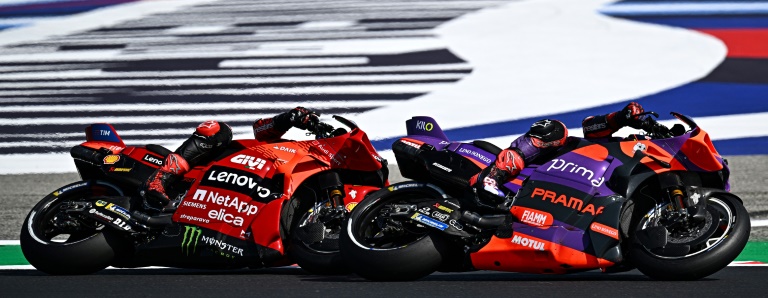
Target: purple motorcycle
(659,203)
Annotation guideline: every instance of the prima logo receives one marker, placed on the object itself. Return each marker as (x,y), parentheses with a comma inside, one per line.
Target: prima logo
(250,162)
(191,237)
(562,165)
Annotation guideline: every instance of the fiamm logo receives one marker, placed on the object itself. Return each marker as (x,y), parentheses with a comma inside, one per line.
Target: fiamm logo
(191,237)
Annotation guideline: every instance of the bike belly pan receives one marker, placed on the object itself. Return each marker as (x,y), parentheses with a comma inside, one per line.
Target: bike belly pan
(526,253)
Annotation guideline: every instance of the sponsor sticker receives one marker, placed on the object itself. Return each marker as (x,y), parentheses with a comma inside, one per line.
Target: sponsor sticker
(111,159)
(605,230)
(153,159)
(236,180)
(428,221)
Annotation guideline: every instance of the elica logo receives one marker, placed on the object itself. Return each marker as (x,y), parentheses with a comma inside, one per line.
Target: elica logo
(425,126)
(562,166)
(239,181)
(189,242)
(152,159)
(250,162)
(242,207)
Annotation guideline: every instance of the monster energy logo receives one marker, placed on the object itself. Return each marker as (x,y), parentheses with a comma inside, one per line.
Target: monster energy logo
(191,236)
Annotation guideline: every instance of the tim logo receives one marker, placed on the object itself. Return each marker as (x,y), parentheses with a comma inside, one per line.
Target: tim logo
(425,126)
(250,162)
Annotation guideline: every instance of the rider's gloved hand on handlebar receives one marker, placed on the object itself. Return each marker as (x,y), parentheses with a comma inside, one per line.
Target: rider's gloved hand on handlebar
(299,117)
(631,116)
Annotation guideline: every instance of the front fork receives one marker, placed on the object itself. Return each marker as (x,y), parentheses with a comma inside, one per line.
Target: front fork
(685,202)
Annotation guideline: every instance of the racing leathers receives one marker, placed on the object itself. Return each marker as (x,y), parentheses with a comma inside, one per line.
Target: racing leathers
(209,140)
(543,139)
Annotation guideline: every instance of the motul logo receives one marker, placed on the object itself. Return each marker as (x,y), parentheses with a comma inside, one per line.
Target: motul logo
(249,161)
(522,241)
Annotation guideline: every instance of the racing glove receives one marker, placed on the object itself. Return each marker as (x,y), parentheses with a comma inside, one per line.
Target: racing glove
(630,116)
(298,117)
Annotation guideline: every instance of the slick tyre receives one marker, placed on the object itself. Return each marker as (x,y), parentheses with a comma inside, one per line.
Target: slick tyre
(56,251)
(410,256)
(726,216)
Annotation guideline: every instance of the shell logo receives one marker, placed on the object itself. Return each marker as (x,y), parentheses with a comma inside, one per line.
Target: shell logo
(350,206)
(111,159)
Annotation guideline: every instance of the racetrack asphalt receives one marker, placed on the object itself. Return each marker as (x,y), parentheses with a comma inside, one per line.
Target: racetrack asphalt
(19,193)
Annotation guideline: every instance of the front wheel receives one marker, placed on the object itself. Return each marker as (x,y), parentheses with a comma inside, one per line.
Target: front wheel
(61,243)
(696,251)
(378,246)
(315,239)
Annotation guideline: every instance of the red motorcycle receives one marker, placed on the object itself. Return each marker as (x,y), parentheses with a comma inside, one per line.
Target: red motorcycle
(257,204)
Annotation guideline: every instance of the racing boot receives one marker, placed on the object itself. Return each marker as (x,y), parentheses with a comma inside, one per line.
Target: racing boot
(174,166)
(508,164)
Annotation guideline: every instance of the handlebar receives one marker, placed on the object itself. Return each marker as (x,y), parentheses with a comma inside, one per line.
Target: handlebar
(322,130)
(655,129)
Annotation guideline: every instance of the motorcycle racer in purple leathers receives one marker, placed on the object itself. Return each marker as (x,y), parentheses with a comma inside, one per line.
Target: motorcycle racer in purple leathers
(544,138)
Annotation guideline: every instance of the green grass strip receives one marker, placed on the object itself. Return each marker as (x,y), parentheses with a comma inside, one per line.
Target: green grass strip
(11,255)
(755,251)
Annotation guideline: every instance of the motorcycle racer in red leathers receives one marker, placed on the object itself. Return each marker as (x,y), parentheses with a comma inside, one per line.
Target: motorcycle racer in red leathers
(210,139)
(544,138)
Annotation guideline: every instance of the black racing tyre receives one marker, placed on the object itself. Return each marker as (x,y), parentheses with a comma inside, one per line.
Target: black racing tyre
(726,216)
(67,251)
(410,256)
(315,248)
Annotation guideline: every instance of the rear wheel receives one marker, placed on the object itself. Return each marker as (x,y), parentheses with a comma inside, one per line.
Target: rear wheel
(377,246)
(57,242)
(697,250)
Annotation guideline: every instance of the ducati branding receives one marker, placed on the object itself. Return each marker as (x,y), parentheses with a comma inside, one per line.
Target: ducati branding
(250,162)
(570,202)
(562,166)
(239,181)
(530,243)
(152,159)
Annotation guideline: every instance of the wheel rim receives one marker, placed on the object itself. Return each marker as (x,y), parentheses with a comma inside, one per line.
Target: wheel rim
(48,225)
(377,231)
(319,236)
(719,217)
